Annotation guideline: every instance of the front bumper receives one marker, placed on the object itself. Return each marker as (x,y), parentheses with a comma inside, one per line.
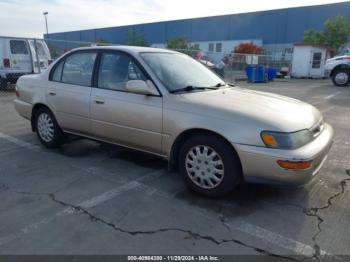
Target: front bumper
(259,164)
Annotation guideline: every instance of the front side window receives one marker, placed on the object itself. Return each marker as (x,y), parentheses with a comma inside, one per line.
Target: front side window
(18,47)
(116,69)
(178,71)
(78,68)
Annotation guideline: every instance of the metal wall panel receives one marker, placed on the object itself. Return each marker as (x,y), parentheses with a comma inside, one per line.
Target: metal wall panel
(274,27)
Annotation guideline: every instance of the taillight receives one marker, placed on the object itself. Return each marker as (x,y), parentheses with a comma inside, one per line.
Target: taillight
(347,57)
(6,62)
(16,91)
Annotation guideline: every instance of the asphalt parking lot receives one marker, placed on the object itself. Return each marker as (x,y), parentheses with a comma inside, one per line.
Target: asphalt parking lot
(90,198)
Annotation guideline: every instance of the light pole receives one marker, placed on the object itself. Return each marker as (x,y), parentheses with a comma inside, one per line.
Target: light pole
(47,29)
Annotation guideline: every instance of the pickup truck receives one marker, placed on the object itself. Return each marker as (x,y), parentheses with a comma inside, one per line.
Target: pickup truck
(338,68)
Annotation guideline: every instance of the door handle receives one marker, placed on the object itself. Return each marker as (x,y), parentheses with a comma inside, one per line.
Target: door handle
(99,102)
(51,93)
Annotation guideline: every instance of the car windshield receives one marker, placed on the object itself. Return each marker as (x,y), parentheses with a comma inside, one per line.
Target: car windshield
(178,71)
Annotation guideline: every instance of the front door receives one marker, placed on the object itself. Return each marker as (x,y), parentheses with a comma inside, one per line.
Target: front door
(129,119)
(69,91)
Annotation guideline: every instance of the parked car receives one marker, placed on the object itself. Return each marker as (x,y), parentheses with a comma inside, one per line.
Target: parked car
(338,68)
(18,57)
(217,135)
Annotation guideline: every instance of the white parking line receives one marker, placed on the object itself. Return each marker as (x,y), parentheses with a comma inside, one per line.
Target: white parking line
(250,229)
(333,95)
(277,239)
(19,142)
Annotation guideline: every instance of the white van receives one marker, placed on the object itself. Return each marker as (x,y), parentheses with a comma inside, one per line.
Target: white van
(18,57)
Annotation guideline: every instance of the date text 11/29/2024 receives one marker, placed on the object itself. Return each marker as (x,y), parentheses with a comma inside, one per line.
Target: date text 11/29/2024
(173,258)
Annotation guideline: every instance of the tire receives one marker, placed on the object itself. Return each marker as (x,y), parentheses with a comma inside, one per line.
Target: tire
(47,128)
(341,77)
(206,173)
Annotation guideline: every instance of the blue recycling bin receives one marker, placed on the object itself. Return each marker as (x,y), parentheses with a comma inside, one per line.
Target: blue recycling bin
(256,73)
(271,73)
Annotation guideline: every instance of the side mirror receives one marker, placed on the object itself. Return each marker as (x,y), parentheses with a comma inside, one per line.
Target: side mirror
(141,87)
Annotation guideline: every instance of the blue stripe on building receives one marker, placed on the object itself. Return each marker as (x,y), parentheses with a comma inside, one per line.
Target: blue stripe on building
(272,27)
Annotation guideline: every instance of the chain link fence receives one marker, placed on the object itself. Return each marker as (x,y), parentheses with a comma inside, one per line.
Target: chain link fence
(232,66)
(21,56)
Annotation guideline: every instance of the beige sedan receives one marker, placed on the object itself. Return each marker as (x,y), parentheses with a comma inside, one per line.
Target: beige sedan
(167,104)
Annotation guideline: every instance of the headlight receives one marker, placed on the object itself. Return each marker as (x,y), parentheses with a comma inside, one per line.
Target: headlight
(286,140)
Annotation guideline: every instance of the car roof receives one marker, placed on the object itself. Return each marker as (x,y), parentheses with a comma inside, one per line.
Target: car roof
(130,49)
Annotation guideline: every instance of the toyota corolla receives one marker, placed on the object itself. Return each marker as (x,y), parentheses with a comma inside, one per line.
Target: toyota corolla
(168,104)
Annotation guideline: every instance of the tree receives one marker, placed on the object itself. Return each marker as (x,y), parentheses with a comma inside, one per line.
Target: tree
(335,33)
(102,42)
(248,48)
(54,50)
(178,42)
(136,39)
(182,44)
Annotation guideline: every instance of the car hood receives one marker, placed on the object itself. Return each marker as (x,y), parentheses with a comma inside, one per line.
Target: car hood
(265,110)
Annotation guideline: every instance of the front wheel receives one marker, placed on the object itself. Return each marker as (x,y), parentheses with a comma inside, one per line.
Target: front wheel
(210,165)
(47,129)
(341,77)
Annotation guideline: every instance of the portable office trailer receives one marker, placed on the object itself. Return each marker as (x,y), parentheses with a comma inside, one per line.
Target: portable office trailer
(309,61)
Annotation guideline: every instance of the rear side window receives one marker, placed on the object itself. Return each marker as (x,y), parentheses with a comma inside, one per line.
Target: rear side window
(18,47)
(57,73)
(78,68)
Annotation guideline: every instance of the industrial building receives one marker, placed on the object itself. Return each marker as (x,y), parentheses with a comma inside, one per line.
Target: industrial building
(275,30)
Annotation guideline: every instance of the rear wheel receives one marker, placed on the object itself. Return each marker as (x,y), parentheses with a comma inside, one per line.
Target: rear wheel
(341,77)
(47,129)
(209,165)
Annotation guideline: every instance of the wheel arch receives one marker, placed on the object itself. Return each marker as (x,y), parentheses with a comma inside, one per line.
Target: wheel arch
(340,66)
(35,108)
(185,135)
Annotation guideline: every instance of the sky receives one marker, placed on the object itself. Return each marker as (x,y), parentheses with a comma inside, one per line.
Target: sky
(25,18)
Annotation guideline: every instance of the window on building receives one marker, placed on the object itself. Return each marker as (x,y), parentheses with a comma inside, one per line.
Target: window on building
(211,47)
(218,47)
(196,46)
(316,60)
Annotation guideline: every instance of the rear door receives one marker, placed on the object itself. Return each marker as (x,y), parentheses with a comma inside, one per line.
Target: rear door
(69,90)
(20,57)
(41,55)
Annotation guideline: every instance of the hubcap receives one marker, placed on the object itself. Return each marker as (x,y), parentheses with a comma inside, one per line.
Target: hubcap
(204,166)
(45,127)
(342,78)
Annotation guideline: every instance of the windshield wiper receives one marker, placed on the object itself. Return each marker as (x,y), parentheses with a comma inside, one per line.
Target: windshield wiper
(190,88)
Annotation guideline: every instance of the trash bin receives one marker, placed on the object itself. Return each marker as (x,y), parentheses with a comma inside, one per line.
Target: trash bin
(271,73)
(256,73)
